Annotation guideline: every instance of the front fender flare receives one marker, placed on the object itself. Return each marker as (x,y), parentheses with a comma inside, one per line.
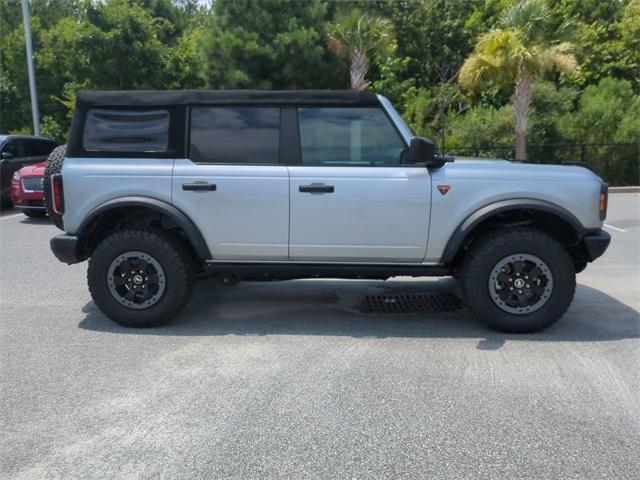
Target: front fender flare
(178,217)
(461,233)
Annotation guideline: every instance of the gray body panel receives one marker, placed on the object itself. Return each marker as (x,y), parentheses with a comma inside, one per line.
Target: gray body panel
(246,217)
(478,183)
(376,214)
(91,182)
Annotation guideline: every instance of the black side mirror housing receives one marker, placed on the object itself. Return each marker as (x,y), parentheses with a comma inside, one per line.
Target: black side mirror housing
(422,151)
(7,156)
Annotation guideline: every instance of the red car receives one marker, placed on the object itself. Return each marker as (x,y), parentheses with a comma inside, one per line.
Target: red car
(26,190)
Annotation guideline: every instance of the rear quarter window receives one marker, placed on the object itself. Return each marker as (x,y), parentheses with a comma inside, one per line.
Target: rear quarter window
(112,130)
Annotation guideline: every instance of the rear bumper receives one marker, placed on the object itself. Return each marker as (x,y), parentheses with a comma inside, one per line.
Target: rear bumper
(68,248)
(596,243)
(30,205)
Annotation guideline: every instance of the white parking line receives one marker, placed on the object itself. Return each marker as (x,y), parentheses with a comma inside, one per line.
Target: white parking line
(615,228)
(11,216)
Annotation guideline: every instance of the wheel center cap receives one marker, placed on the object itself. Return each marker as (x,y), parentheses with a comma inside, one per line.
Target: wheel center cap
(519,283)
(137,279)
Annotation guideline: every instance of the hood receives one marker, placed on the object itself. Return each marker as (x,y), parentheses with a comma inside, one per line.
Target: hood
(34,169)
(504,169)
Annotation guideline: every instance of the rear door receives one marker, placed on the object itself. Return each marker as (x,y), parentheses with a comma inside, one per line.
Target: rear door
(232,184)
(352,197)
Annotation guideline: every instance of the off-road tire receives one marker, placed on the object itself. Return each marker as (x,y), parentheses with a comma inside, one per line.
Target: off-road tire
(34,213)
(174,260)
(490,249)
(53,167)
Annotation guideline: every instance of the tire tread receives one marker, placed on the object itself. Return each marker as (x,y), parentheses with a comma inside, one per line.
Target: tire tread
(502,240)
(174,255)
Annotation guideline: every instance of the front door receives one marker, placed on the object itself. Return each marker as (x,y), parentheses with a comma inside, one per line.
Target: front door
(232,184)
(352,198)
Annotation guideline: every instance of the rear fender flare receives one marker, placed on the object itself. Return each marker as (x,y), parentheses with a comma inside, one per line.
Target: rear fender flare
(178,217)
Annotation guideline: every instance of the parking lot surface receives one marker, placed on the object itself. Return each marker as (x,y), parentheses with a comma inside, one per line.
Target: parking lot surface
(292,380)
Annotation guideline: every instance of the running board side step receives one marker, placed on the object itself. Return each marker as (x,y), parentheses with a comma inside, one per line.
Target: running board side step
(317,270)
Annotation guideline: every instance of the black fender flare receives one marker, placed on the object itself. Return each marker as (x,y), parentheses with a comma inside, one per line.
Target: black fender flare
(178,217)
(460,234)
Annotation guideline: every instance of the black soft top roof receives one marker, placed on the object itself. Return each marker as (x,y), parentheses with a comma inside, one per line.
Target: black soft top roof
(166,98)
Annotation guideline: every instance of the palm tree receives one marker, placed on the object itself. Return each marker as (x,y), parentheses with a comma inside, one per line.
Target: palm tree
(527,45)
(355,35)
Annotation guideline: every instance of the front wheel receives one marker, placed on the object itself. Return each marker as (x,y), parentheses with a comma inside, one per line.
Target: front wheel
(140,277)
(518,281)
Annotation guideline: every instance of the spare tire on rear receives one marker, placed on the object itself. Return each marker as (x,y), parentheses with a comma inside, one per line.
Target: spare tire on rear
(54,166)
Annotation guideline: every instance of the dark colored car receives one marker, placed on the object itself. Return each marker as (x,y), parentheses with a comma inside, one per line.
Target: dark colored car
(16,151)
(27,192)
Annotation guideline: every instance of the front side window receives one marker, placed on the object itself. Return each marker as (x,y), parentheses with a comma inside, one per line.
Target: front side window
(126,130)
(235,135)
(348,137)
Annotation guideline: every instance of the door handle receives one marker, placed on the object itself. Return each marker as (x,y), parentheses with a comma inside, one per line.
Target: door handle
(316,188)
(199,187)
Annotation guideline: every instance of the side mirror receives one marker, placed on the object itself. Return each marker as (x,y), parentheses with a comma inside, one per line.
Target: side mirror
(422,151)
(7,155)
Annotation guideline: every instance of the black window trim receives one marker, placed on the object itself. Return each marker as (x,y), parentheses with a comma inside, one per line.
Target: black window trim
(290,150)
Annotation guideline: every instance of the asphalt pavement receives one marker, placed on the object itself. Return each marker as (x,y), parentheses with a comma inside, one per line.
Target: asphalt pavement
(293,380)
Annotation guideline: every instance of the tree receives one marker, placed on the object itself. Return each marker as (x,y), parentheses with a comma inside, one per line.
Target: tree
(271,44)
(430,34)
(606,112)
(527,45)
(355,35)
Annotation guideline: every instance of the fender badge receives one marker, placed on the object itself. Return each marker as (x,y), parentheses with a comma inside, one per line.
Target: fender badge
(443,189)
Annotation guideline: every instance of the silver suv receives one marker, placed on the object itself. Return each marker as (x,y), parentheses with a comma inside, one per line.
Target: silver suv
(155,187)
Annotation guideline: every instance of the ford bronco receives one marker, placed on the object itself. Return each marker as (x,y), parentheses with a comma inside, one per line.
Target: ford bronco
(156,186)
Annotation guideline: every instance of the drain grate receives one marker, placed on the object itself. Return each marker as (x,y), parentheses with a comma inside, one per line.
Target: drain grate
(412,302)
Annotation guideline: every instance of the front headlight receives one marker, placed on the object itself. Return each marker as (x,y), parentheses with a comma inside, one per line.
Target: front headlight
(16,176)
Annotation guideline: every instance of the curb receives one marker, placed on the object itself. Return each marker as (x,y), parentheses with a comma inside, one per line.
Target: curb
(624,189)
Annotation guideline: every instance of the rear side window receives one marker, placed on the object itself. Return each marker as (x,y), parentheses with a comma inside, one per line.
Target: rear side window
(38,148)
(126,130)
(31,148)
(348,137)
(235,135)
(45,148)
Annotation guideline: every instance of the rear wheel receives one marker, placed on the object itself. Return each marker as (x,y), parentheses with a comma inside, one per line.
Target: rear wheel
(519,281)
(53,167)
(140,277)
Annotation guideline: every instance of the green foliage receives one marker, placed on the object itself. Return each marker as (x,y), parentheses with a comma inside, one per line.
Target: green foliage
(480,126)
(528,44)
(608,111)
(272,44)
(549,105)
(282,44)
(354,31)
(431,35)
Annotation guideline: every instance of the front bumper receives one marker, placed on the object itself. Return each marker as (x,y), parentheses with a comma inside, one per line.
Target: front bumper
(68,248)
(596,243)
